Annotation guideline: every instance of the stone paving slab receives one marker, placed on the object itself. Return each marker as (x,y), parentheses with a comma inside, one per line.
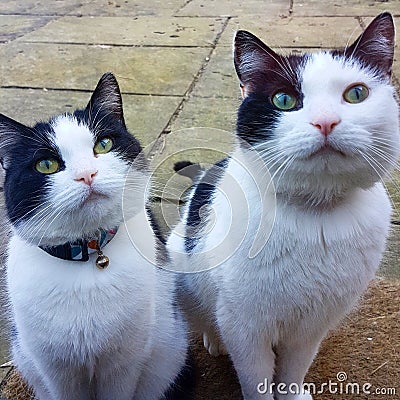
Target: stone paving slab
(159,71)
(393,186)
(296,31)
(139,31)
(202,8)
(38,7)
(198,145)
(219,79)
(202,133)
(344,8)
(29,106)
(129,8)
(13,26)
(390,267)
(219,113)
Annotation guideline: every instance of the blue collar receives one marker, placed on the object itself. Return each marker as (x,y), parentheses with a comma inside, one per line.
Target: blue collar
(81,249)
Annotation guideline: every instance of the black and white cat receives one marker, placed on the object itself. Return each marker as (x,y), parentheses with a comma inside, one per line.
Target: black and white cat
(326,126)
(85,329)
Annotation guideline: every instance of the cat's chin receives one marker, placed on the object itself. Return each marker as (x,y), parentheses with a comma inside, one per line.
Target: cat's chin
(71,237)
(81,223)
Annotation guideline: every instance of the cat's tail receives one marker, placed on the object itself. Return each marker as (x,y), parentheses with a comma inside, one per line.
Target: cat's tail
(184,386)
(189,169)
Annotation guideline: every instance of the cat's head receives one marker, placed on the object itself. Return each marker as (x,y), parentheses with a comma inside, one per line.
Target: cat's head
(65,178)
(325,122)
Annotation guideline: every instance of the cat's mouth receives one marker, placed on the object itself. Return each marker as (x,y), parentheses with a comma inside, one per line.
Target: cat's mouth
(93,195)
(327,150)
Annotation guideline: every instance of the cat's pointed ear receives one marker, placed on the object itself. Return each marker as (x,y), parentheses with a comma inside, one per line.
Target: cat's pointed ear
(107,97)
(10,130)
(375,46)
(252,59)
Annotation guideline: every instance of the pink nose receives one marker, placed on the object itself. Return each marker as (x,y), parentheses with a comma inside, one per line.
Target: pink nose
(326,125)
(86,176)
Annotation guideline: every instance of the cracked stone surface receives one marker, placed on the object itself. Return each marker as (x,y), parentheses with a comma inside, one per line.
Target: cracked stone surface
(155,8)
(30,106)
(14,26)
(202,8)
(344,7)
(296,31)
(141,70)
(41,7)
(127,31)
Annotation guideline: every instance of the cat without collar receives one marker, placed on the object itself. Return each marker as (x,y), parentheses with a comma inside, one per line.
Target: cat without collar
(326,125)
(82,332)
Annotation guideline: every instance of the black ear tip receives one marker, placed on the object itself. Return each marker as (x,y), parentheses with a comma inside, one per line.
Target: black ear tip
(385,15)
(243,35)
(386,19)
(109,77)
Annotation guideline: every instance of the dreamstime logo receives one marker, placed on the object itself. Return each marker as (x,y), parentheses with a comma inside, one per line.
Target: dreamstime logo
(231,171)
(340,386)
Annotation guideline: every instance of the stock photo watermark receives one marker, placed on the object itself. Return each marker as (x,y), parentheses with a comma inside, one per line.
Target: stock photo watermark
(342,385)
(234,172)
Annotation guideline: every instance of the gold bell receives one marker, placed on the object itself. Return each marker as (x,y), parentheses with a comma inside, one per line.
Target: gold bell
(102,261)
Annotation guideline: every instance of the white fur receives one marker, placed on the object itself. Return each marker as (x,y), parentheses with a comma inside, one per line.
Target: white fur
(332,219)
(79,327)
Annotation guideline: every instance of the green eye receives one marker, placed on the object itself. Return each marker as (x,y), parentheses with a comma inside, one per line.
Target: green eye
(103,146)
(284,101)
(49,166)
(356,94)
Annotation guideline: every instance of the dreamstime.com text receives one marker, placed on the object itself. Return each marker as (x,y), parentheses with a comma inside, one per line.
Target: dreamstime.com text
(340,386)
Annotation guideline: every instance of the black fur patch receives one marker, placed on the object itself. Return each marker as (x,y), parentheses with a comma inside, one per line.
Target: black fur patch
(105,125)
(183,387)
(257,119)
(189,169)
(262,74)
(104,117)
(375,46)
(202,196)
(24,187)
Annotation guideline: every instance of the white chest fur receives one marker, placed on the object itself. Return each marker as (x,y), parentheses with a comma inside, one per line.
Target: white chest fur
(75,321)
(314,265)
(333,252)
(77,300)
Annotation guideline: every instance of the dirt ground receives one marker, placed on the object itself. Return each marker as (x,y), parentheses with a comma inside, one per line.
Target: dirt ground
(366,348)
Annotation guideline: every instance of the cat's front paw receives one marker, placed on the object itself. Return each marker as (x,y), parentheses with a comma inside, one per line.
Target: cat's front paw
(214,345)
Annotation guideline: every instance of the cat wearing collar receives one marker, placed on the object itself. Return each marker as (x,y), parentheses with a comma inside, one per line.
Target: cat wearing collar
(92,317)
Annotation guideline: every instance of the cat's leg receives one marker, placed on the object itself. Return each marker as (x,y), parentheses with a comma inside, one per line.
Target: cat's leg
(293,359)
(66,382)
(48,380)
(116,381)
(57,384)
(164,365)
(252,356)
(198,302)
(30,373)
